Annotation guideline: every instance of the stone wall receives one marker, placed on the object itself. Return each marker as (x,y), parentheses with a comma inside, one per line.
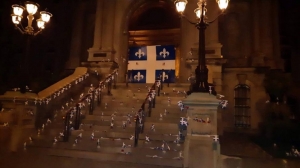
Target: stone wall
(250,35)
(258,97)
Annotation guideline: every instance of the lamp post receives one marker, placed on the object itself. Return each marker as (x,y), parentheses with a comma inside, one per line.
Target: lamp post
(201,71)
(29,31)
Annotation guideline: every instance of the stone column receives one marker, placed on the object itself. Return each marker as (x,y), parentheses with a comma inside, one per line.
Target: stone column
(257,57)
(213,46)
(108,25)
(212,33)
(104,31)
(266,27)
(98,26)
(74,59)
(255,23)
(276,36)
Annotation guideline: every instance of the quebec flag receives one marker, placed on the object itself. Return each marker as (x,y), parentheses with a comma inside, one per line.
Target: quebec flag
(150,60)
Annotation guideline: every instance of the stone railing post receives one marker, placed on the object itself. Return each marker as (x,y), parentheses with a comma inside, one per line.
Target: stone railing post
(67,127)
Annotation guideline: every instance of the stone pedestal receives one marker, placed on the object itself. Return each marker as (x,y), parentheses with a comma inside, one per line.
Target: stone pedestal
(103,68)
(96,54)
(200,147)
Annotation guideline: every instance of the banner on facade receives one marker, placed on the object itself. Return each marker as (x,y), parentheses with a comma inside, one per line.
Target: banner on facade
(147,63)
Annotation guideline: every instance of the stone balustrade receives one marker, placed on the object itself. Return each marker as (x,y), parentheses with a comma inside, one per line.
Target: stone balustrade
(44,104)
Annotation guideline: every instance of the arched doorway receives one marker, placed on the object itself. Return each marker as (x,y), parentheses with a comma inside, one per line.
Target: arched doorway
(154,23)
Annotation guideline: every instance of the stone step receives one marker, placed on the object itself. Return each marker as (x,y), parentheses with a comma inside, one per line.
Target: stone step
(158,125)
(159,137)
(139,159)
(107,123)
(109,145)
(164,119)
(106,118)
(108,129)
(105,134)
(156,114)
(92,147)
(161,132)
(155,136)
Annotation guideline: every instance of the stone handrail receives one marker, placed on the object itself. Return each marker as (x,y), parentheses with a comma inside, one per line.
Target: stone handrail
(79,72)
(48,92)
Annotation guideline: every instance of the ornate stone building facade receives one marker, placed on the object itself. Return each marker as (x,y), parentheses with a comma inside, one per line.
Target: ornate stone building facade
(239,45)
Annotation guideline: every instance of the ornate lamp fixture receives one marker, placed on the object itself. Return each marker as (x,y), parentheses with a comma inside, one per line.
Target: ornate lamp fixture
(201,25)
(31,9)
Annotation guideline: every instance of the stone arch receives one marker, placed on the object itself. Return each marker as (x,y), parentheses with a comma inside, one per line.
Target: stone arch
(129,11)
(140,10)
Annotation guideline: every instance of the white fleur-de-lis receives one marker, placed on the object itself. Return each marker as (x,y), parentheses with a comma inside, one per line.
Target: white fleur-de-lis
(140,53)
(138,76)
(164,76)
(164,53)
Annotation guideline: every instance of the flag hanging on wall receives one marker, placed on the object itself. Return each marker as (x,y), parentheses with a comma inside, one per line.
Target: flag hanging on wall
(150,61)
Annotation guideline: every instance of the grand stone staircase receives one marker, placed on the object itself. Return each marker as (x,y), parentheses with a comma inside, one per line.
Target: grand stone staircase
(124,102)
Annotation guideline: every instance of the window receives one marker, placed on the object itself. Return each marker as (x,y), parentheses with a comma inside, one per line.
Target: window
(242,106)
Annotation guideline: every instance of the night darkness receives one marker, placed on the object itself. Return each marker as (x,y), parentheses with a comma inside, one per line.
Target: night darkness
(49,50)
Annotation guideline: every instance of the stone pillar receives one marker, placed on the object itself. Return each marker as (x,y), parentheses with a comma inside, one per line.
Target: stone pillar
(104,31)
(74,59)
(98,26)
(276,36)
(266,35)
(199,149)
(258,56)
(255,23)
(212,32)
